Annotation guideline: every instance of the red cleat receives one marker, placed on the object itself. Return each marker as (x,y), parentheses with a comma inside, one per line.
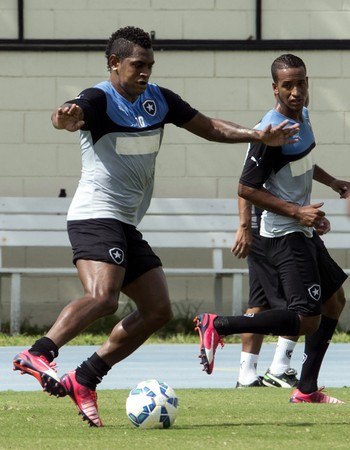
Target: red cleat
(314,397)
(85,399)
(209,340)
(42,370)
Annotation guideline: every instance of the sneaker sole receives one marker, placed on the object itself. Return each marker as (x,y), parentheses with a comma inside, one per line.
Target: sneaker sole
(277,383)
(48,383)
(297,400)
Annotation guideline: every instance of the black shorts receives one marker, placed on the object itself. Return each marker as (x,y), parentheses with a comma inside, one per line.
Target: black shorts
(114,242)
(265,289)
(332,276)
(307,273)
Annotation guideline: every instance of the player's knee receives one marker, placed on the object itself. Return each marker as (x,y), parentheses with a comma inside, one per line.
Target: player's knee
(107,302)
(160,316)
(334,306)
(340,300)
(309,325)
(164,314)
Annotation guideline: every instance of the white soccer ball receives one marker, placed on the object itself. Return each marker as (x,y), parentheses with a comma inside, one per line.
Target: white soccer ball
(152,404)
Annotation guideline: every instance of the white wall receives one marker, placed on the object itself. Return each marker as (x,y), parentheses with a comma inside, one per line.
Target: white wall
(39,160)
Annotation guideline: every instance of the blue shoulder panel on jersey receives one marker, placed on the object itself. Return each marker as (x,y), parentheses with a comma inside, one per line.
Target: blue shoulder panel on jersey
(148,110)
(306,139)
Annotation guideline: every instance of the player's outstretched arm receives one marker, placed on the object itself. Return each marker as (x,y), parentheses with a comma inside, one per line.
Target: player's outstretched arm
(224,131)
(68,117)
(280,134)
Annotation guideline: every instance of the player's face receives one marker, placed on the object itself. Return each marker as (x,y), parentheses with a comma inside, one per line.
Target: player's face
(130,75)
(291,91)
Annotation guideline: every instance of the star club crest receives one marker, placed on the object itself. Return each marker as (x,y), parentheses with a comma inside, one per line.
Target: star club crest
(117,255)
(150,107)
(315,292)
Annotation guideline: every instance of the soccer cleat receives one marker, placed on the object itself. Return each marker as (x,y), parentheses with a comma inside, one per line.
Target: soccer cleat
(209,340)
(42,370)
(314,397)
(85,399)
(255,383)
(286,379)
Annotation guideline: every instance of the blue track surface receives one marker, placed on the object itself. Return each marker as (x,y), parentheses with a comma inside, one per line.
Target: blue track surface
(177,364)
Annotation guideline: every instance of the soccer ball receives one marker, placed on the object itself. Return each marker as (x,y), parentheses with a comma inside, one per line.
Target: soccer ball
(152,404)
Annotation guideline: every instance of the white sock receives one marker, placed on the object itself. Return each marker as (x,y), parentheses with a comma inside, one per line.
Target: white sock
(248,368)
(283,354)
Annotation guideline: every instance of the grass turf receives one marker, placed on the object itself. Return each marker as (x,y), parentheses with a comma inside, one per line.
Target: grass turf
(97,339)
(246,419)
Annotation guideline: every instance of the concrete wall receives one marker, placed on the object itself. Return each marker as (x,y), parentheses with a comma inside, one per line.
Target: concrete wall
(39,160)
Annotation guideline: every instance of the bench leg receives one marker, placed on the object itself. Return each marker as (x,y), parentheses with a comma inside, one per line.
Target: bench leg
(1,308)
(218,294)
(237,294)
(218,290)
(15,313)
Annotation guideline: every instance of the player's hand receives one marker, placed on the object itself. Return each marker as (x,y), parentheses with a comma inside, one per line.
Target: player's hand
(242,243)
(342,187)
(68,117)
(310,215)
(280,135)
(323,226)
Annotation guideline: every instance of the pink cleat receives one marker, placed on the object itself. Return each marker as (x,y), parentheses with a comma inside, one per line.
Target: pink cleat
(85,399)
(314,397)
(42,370)
(209,340)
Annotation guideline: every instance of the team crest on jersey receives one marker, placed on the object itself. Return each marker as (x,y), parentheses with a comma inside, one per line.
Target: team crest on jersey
(150,107)
(117,255)
(315,292)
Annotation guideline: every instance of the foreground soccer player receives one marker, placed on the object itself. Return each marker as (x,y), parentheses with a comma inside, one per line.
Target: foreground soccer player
(280,181)
(121,123)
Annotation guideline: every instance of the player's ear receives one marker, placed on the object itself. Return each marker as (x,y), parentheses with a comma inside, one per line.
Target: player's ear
(113,61)
(275,88)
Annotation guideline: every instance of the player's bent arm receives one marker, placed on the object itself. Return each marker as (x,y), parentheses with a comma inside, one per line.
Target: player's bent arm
(265,200)
(245,212)
(322,176)
(218,130)
(243,237)
(309,215)
(340,186)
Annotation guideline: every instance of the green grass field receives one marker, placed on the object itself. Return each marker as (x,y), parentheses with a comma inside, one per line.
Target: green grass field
(97,339)
(244,419)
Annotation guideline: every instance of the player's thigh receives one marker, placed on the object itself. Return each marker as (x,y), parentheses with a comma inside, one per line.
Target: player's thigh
(150,292)
(100,279)
(331,274)
(334,305)
(265,288)
(295,258)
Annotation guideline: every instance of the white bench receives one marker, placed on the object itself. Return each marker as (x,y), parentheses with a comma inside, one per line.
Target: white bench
(169,223)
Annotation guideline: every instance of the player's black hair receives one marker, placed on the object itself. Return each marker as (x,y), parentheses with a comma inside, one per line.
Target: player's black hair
(285,62)
(122,42)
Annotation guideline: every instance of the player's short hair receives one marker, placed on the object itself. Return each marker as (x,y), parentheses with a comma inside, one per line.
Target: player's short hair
(122,42)
(286,61)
